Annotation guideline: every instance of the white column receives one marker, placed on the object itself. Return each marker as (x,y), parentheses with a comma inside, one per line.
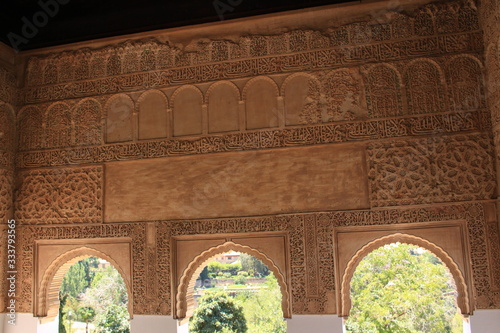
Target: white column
(24,323)
(315,323)
(485,321)
(153,324)
(48,327)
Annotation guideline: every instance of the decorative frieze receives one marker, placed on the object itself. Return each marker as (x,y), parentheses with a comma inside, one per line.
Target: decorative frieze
(308,254)
(262,139)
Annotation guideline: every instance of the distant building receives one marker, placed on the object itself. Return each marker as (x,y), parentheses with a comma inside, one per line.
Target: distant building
(228,258)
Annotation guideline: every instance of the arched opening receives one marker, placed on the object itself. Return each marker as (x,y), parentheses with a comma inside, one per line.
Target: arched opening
(185,300)
(48,303)
(402,287)
(242,286)
(93,298)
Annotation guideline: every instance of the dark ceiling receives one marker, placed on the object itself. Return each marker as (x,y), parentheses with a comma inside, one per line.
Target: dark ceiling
(67,21)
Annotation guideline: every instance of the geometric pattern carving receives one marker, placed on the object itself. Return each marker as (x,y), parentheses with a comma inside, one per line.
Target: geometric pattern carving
(437,169)
(342,92)
(60,196)
(30,129)
(383,92)
(424,89)
(465,83)
(7,128)
(332,57)
(58,133)
(88,123)
(6,197)
(493,234)
(9,92)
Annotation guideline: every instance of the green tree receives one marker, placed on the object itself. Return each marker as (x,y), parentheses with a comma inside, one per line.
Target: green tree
(217,312)
(402,288)
(216,267)
(253,266)
(263,310)
(114,319)
(108,297)
(204,274)
(87,314)
(240,279)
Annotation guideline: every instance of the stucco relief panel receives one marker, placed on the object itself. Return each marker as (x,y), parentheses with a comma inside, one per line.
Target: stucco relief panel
(48,196)
(437,169)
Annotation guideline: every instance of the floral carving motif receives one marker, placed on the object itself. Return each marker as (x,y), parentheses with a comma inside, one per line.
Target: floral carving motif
(431,170)
(60,196)
(6,197)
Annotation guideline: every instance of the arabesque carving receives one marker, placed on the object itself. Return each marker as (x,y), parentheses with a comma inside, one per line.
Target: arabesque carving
(400,74)
(60,196)
(437,169)
(483,264)
(6,195)
(262,139)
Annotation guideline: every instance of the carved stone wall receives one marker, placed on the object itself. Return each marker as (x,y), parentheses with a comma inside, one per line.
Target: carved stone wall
(60,196)
(436,169)
(310,294)
(490,23)
(404,86)
(8,106)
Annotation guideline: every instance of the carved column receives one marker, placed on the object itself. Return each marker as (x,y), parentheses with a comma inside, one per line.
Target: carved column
(489,11)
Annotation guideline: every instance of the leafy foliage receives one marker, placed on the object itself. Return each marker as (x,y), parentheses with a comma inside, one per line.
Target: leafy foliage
(262,310)
(253,266)
(91,295)
(114,319)
(216,268)
(78,277)
(400,288)
(240,279)
(217,312)
(108,297)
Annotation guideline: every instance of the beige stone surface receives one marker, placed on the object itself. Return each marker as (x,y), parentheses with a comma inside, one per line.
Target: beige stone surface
(152,116)
(238,184)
